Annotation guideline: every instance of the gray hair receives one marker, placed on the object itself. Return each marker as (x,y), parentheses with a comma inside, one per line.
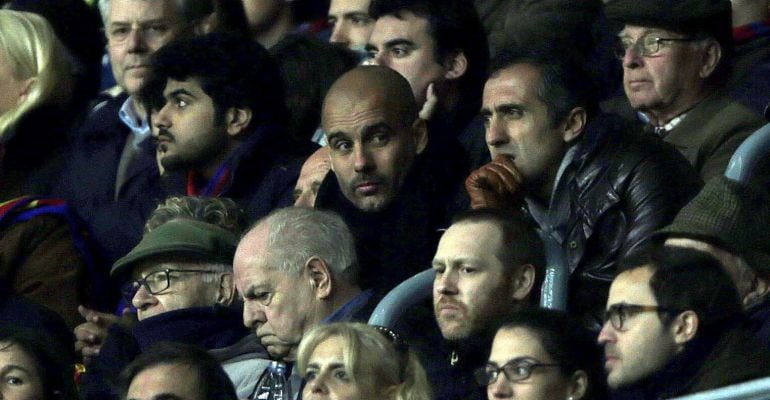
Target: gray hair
(298,234)
(190,10)
(220,211)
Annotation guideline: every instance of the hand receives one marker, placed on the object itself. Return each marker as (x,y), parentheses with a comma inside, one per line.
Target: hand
(429,108)
(90,335)
(497,185)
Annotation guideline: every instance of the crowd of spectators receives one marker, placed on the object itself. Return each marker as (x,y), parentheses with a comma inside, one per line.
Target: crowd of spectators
(193,192)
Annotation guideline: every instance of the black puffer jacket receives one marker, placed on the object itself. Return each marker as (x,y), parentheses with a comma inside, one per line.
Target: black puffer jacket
(623,185)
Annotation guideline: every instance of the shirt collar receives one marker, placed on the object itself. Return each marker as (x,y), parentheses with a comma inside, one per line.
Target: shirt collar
(662,131)
(349,309)
(136,123)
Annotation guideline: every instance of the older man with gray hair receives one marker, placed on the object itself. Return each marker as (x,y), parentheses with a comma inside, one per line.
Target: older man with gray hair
(297,268)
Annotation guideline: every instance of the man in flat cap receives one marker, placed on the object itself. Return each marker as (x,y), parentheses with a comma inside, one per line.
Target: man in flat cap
(728,220)
(180,281)
(675,56)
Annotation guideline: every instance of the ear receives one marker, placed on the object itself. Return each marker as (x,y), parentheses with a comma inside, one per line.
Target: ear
(574,124)
(420,131)
(226,291)
(578,385)
(523,282)
(455,65)
(319,274)
(760,287)
(685,327)
(237,120)
(26,87)
(711,58)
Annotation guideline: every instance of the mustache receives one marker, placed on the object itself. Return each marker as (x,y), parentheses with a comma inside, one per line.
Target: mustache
(361,178)
(163,134)
(443,301)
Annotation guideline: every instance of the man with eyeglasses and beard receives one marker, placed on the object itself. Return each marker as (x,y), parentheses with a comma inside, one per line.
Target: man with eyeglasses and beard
(674,325)
(180,280)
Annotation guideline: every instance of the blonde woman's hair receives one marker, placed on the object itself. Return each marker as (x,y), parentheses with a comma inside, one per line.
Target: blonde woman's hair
(371,359)
(31,48)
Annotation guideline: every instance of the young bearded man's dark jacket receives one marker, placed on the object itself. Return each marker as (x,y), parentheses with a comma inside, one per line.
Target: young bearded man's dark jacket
(259,175)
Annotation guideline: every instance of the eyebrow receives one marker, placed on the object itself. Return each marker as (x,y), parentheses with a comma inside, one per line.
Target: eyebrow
(336,135)
(180,92)
(370,130)
(397,42)
(146,22)
(331,366)
(11,367)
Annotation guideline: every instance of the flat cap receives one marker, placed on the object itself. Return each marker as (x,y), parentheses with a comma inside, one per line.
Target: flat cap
(729,214)
(711,16)
(181,238)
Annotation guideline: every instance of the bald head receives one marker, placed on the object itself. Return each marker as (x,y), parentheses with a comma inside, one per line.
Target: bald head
(374,134)
(379,86)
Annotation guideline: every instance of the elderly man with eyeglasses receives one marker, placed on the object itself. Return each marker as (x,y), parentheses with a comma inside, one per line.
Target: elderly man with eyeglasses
(674,325)
(676,57)
(180,280)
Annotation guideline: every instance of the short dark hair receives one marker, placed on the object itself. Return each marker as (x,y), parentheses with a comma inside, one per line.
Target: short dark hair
(233,71)
(520,240)
(687,279)
(54,364)
(565,82)
(567,342)
(454,25)
(309,67)
(213,382)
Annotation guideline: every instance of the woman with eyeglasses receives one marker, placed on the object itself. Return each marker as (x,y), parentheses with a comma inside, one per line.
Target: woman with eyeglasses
(350,361)
(543,354)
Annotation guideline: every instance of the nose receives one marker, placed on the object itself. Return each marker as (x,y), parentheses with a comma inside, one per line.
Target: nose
(253,315)
(362,160)
(632,57)
(446,283)
(496,134)
(607,334)
(340,33)
(318,385)
(379,59)
(160,119)
(143,298)
(500,388)
(136,41)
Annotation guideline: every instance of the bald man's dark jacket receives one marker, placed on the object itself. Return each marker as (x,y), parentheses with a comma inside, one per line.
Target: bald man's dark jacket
(399,241)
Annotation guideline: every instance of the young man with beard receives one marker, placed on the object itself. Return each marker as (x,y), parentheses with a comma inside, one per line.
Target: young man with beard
(217,116)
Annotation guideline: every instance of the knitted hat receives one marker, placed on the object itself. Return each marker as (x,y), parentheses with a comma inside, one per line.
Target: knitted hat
(711,16)
(731,215)
(182,238)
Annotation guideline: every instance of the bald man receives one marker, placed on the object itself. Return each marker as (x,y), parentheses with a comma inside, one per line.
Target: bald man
(380,183)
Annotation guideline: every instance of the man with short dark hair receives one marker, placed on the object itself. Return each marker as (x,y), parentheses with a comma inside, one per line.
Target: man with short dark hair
(382,183)
(590,182)
(440,47)
(351,23)
(676,57)
(479,283)
(175,371)
(218,118)
(673,326)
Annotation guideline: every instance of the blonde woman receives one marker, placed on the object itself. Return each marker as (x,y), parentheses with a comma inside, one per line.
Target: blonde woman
(349,361)
(35,96)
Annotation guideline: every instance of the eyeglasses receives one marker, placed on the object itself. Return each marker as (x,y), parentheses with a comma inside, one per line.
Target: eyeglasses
(515,370)
(118,33)
(617,314)
(647,46)
(156,282)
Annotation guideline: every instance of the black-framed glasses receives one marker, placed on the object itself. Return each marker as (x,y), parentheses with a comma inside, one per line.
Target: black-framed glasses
(618,314)
(647,46)
(156,282)
(515,370)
